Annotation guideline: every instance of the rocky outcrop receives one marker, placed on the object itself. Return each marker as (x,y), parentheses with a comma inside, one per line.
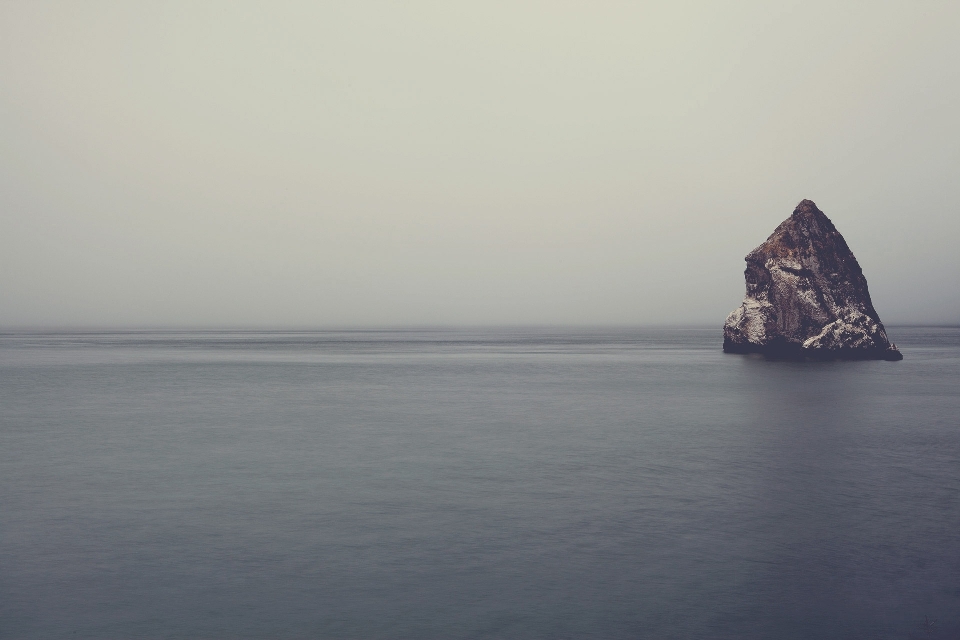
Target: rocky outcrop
(806,297)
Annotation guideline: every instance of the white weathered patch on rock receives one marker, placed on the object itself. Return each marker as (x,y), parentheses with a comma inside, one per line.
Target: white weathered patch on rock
(854,330)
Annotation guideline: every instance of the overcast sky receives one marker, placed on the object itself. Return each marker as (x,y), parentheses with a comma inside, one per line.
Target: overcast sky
(428,163)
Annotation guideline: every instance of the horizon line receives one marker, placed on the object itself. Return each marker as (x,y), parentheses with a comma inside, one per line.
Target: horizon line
(399,327)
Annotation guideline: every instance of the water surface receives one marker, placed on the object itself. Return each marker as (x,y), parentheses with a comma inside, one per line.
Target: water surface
(475,484)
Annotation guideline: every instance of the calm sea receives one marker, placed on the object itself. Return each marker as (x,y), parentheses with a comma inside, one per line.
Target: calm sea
(475,484)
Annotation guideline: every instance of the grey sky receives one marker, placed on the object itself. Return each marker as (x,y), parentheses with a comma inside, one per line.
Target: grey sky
(383,163)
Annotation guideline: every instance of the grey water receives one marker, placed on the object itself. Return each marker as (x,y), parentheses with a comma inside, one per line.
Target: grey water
(509,483)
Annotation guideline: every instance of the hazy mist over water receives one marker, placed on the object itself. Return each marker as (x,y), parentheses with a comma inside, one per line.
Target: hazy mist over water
(237,164)
(475,484)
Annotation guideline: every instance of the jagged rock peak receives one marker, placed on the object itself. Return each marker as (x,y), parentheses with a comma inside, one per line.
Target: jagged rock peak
(806,297)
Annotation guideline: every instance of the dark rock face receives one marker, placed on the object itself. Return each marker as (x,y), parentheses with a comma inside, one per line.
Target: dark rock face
(806,297)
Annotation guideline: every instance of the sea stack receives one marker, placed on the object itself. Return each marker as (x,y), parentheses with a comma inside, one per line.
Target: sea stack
(807,297)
